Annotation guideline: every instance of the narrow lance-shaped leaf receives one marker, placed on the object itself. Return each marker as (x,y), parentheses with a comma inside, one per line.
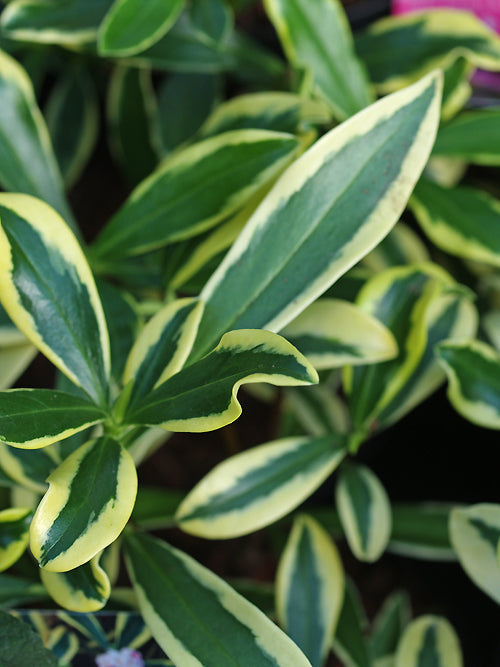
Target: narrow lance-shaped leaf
(202,397)
(48,290)
(259,486)
(473,136)
(310,589)
(84,589)
(420,530)
(195,189)
(350,644)
(196,617)
(89,501)
(473,370)
(323,215)
(389,625)
(365,511)
(429,640)
(316,36)
(14,535)
(132,26)
(32,418)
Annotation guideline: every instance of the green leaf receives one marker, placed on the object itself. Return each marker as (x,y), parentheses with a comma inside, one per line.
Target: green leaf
(316,37)
(365,511)
(321,202)
(332,333)
(69,23)
(461,220)
(89,501)
(401,246)
(14,535)
(475,536)
(473,370)
(310,589)
(21,646)
(421,531)
(473,136)
(199,619)
(132,26)
(29,468)
(195,189)
(32,418)
(155,507)
(259,486)
(15,592)
(202,397)
(429,640)
(456,89)
(213,17)
(84,589)
(400,49)
(27,162)
(349,643)
(14,358)
(48,290)
(389,625)
(72,114)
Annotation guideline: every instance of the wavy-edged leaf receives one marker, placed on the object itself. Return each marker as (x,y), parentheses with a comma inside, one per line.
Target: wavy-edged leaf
(33,418)
(90,498)
(473,136)
(365,511)
(48,290)
(196,617)
(84,589)
(400,49)
(202,397)
(421,531)
(310,589)
(332,333)
(389,625)
(163,346)
(195,189)
(131,26)
(68,23)
(461,220)
(72,115)
(14,534)
(316,36)
(473,371)
(401,246)
(255,488)
(429,640)
(29,468)
(475,536)
(350,644)
(321,202)
(27,162)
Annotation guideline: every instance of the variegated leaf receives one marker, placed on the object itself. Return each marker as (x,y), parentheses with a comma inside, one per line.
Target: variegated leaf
(255,488)
(473,370)
(14,534)
(332,333)
(84,589)
(310,589)
(429,640)
(475,536)
(191,192)
(130,26)
(457,89)
(400,49)
(202,396)
(421,531)
(29,468)
(196,617)
(318,203)
(401,246)
(33,418)
(47,289)
(88,625)
(365,511)
(350,644)
(63,644)
(316,36)
(473,136)
(461,220)
(90,498)
(388,626)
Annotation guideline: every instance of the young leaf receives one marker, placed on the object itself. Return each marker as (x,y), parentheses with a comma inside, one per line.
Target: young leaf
(473,136)
(196,617)
(473,370)
(192,191)
(429,640)
(89,501)
(14,535)
(48,290)
(33,418)
(321,201)
(310,589)
(255,488)
(84,589)
(475,536)
(21,646)
(132,26)
(365,511)
(332,333)
(316,36)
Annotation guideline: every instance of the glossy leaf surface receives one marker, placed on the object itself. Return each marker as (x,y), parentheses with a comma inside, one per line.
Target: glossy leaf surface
(84,589)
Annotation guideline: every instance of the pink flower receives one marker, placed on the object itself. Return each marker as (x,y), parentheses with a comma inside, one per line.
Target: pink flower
(124,658)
